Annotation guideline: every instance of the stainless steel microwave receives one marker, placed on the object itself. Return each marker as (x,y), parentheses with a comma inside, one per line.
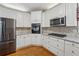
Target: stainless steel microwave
(58,21)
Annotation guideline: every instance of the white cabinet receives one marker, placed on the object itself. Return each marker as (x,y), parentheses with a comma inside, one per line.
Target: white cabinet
(63,9)
(54,45)
(19,42)
(45,41)
(23,20)
(58,11)
(36,16)
(75,49)
(45,19)
(71,14)
(36,39)
(68,48)
(19,20)
(71,49)
(27,40)
(60,44)
(26,20)
(23,41)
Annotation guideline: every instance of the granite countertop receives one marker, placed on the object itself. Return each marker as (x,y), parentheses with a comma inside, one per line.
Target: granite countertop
(70,37)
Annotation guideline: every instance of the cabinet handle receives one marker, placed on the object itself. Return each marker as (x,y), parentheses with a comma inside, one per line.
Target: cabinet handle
(72,44)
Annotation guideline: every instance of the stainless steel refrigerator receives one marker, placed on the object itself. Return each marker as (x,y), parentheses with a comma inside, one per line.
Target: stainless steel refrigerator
(7,36)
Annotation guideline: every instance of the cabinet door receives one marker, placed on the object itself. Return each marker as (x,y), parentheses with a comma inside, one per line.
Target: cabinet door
(43,19)
(60,45)
(61,10)
(18,42)
(36,38)
(47,19)
(36,17)
(52,41)
(75,50)
(26,40)
(19,20)
(71,14)
(68,48)
(44,41)
(26,20)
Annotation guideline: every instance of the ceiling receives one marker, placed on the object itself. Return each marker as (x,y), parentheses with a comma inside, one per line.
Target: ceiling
(29,6)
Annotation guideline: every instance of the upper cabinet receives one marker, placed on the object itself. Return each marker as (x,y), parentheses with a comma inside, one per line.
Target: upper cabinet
(23,20)
(57,11)
(27,21)
(45,19)
(36,16)
(19,20)
(71,14)
(64,9)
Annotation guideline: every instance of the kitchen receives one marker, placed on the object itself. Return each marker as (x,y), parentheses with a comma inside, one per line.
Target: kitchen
(54,28)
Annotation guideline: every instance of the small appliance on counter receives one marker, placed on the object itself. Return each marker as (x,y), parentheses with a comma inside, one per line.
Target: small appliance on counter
(36,28)
(7,36)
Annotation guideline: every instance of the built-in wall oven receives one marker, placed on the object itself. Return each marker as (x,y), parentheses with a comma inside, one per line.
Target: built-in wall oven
(58,21)
(36,28)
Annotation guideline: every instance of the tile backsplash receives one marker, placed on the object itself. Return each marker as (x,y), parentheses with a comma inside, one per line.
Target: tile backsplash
(60,30)
(23,31)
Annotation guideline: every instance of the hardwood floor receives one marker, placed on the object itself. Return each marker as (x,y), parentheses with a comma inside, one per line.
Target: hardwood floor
(32,51)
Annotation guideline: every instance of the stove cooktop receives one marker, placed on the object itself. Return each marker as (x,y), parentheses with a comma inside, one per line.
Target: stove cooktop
(57,34)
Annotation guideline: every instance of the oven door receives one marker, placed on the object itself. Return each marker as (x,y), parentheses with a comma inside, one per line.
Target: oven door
(36,28)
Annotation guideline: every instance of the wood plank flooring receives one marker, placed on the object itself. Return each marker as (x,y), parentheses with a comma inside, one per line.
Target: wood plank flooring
(32,51)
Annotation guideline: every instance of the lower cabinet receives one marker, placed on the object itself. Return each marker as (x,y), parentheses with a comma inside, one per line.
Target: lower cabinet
(68,48)
(57,46)
(54,45)
(71,49)
(36,38)
(23,40)
(18,41)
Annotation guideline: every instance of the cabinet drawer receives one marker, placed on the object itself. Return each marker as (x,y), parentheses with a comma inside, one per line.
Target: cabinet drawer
(68,48)
(75,45)
(75,51)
